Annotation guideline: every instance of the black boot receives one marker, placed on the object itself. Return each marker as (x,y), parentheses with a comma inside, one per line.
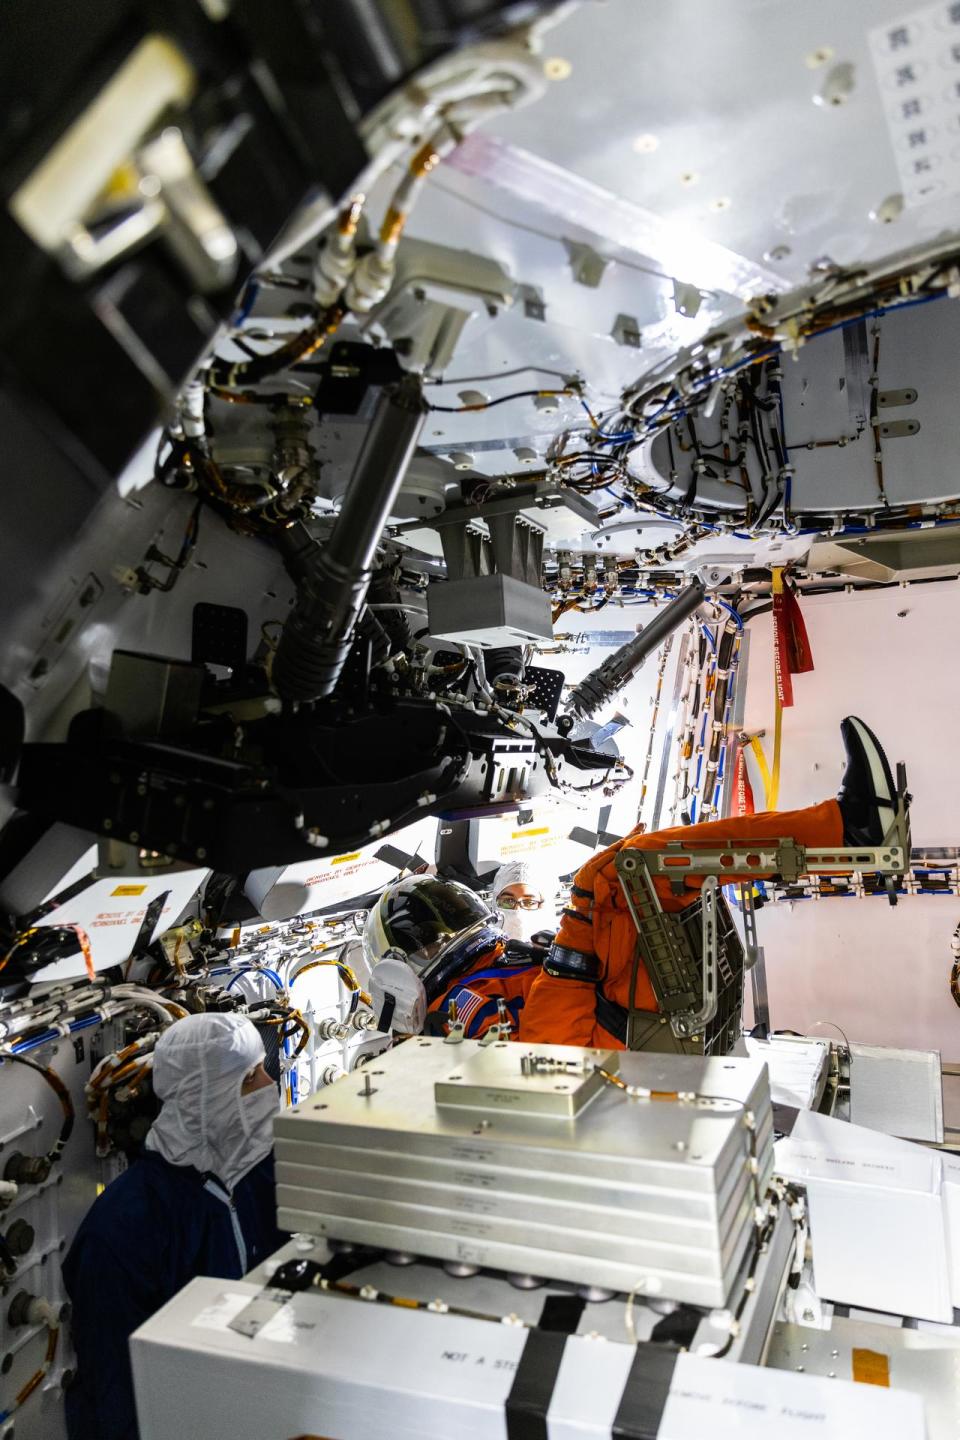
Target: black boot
(867,797)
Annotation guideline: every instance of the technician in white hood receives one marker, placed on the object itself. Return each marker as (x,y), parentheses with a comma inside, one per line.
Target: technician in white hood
(198,1201)
(523,893)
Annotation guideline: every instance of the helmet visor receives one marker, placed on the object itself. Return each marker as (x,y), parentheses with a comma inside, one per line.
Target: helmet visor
(423,915)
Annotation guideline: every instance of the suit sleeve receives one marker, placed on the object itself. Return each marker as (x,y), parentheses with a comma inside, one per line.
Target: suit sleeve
(110,1299)
(559,1012)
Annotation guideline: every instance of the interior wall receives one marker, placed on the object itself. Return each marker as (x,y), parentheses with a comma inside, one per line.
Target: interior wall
(889,656)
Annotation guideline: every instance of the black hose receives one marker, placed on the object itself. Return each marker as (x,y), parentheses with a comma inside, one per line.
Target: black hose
(333,579)
(604,682)
(385,594)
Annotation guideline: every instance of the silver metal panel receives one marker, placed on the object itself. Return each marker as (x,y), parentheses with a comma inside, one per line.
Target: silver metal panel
(926,1363)
(526,1181)
(623,1236)
(495,1082)
(811,191)
(575,1268)
(195,1376)
(627,1192)
(637,1141)
(897,1091)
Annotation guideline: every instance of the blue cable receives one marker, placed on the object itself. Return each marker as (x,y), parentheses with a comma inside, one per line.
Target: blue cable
(252,970)
(48,1035)
(730,611)
(247,300)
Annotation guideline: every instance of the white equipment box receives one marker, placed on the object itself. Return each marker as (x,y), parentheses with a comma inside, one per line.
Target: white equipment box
(456,1152)
(877,1217)
(340,1368)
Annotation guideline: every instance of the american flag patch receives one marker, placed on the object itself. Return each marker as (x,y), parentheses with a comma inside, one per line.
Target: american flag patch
(468,1003)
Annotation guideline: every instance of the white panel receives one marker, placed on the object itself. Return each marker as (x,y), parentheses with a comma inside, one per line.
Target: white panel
(743,1402)
(282,891)
(879,973)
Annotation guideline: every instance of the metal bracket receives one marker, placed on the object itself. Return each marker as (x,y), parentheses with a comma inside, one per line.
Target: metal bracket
(502,1030)
(674,974)
(782,858)
(626,331)
(754,961)
(455,1027)
(708,897)
(748,910)
(895,429)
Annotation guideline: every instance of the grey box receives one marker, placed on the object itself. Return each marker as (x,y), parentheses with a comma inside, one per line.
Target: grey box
(153,696)
(489,610)
(624,1194)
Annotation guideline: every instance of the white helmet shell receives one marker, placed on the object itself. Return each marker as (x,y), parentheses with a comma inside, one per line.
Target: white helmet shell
(398,997)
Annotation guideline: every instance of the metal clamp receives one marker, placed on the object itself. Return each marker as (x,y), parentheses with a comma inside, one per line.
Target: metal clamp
(502,1029)
(456,1029)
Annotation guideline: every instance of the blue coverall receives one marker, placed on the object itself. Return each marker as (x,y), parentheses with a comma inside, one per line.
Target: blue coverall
(151,1231)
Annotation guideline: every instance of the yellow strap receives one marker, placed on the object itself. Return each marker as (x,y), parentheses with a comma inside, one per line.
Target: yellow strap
(773,794)
(771,778)
(773,789)
(764,769)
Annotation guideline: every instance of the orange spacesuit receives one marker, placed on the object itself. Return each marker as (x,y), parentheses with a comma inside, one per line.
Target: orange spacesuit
(592,957)
(505,973)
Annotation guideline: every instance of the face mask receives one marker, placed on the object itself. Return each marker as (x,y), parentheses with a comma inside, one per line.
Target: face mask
(522,924)
(260,1109)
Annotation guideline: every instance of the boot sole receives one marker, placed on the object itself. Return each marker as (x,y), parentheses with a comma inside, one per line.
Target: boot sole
(880,776)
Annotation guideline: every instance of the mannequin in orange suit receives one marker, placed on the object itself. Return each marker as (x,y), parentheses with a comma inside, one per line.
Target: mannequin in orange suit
(595,945)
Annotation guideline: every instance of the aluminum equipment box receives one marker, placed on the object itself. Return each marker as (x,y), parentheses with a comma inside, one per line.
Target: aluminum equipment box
(451,1151)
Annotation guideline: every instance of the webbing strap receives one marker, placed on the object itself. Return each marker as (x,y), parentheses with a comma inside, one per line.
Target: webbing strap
(533,1385)
(645,1393)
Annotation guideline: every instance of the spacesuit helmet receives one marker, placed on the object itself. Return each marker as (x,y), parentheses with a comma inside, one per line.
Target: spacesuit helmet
(439,927)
